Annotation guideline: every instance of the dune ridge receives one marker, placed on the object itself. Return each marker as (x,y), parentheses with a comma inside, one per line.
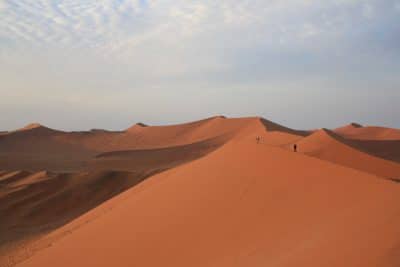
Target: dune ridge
(327,145)
(231,209)
(213,192)
(356,131)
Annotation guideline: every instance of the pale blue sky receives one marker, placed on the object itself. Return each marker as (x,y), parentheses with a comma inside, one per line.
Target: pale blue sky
(79,64)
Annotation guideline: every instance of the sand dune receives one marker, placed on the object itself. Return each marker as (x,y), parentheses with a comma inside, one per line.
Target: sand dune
(34,203)
(140,136)
(387,149)
(327,145)
(378,141)
(356,131)
(348,128)
(204,193)
(36,127)
(241,206)
(38,202)
(281,139)
(274,127)
(162,158)
(37,147)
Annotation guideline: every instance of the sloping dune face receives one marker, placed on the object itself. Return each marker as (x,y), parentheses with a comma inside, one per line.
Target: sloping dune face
(36,147)
(214,192)
(387,149)
(378,141)
(78,177)
(326,145)
(356,131)
(243,205)
(142,136)
(145,159)
(32,204)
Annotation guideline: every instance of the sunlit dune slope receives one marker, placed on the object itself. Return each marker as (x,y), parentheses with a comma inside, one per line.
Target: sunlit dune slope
(357,131)
(327,145)
(141,136)
(245,204)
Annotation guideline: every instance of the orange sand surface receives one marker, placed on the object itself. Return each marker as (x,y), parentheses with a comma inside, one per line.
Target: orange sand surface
(205,193)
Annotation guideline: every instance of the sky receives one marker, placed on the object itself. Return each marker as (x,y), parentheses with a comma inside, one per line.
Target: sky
(81,64)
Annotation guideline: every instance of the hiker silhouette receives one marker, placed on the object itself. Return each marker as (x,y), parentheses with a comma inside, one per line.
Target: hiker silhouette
(295,148)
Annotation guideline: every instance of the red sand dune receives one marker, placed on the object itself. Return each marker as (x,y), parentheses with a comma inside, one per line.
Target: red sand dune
(378,141)
(356,131)
(36,126)
(387,149)
(35,203)
(36,147)
(280,139)
(201,194)
(243,205)
(163,158)
(147,137)
(348,128)
(326,145)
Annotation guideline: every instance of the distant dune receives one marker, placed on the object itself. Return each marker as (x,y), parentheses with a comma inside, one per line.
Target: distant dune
(357,131)
(214,192)
(326,145)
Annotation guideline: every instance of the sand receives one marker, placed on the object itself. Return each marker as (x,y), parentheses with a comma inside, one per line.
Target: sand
(357,131)
(203,194)
(326,145)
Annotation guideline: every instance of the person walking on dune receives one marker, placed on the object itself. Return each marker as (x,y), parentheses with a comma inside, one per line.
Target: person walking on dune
(295,148)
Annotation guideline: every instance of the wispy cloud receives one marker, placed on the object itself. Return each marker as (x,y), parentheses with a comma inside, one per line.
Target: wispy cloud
(106,22)
(82,46)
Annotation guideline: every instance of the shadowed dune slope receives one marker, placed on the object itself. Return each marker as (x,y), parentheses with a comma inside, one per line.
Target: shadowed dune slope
(327,145)
(243,205)
(163,158)
(36,148)
(35,203)
(378,141)
(274,127)
(386,149)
